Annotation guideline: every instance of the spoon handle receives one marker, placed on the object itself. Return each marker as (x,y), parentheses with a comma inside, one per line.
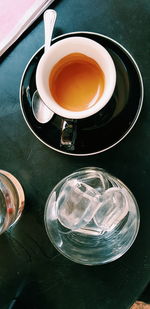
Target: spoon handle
(49,21)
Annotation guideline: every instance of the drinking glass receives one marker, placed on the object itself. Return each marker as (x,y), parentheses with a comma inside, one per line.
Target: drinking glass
(91,217)
(11,200)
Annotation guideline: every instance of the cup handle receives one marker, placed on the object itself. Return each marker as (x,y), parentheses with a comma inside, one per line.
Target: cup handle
(68,134)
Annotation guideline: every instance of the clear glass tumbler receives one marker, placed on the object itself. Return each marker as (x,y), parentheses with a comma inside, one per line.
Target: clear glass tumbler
(91,217)
(11,200)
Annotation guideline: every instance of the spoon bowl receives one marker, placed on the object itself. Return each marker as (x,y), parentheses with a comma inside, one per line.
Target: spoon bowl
(41,112)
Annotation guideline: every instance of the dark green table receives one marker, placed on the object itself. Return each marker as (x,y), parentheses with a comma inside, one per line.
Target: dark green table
(29,264)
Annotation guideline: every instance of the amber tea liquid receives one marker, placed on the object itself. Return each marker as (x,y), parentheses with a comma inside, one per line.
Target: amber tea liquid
(76,82)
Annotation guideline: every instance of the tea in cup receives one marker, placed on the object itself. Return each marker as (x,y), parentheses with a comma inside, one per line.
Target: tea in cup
(76,77)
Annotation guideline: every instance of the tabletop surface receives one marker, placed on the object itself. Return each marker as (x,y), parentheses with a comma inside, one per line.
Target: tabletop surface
(29,264)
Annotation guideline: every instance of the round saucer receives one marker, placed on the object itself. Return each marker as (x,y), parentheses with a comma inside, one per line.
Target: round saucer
(109,126)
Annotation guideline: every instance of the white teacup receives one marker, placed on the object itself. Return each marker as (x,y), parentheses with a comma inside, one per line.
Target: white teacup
(63,48)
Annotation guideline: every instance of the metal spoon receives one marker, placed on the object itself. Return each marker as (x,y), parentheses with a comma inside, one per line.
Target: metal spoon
(41,112)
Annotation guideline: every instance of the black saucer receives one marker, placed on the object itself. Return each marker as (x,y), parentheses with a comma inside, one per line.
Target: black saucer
(106,128)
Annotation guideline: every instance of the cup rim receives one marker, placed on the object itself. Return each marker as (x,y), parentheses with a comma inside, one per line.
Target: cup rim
(47,97)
